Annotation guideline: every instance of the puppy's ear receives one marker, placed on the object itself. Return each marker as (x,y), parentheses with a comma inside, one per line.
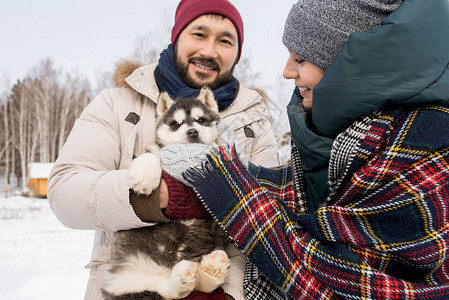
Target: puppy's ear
(164,102)
(207,97)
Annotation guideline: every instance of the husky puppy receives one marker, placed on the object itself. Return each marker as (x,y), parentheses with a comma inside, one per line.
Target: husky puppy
(170,260)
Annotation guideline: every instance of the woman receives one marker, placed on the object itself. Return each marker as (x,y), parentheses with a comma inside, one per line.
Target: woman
(362,212)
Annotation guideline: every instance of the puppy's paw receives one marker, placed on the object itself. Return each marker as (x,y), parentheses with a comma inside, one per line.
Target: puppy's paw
(214,267)
(145,173)
(183,278)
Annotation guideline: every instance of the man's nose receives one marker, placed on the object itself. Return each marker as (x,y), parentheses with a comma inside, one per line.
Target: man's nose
(208,49)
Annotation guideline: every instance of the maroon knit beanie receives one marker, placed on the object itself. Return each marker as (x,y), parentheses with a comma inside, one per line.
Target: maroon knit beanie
(189,10)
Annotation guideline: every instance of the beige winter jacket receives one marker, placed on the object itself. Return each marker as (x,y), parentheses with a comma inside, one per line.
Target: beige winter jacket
(89,187)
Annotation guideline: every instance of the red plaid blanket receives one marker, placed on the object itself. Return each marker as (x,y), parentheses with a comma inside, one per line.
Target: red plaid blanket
(382,233)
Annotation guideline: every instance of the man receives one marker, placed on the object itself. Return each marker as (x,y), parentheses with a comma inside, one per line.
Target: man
(89,187)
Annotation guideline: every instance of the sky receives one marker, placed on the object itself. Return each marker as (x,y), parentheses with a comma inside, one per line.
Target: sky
(90,36)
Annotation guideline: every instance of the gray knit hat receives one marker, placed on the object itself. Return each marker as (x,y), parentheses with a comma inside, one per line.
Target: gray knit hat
(316,30)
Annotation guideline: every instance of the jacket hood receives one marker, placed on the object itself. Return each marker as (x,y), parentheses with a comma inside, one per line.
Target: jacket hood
(404,61)
(141,79)
(123,69)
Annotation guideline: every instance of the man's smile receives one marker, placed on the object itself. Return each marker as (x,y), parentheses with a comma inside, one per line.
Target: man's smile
(205,65)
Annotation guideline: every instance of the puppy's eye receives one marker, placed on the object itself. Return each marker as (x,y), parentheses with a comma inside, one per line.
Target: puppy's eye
(201,120)
(174,124)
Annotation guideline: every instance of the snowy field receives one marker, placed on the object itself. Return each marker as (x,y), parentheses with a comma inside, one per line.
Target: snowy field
(39,257)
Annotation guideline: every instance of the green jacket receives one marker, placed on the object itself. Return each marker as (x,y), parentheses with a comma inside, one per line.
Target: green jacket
(402,62)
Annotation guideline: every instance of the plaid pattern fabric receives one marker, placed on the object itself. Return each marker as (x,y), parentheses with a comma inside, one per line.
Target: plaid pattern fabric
(255,284)
(258,287)
(270,178)
(383,232)
(298,179)
(345,146)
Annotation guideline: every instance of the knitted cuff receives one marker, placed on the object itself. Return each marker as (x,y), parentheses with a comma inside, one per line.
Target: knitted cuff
(183,203)
(147,208)
(218,294)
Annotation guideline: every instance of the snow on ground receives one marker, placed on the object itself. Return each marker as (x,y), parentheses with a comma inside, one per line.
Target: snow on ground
(39,257)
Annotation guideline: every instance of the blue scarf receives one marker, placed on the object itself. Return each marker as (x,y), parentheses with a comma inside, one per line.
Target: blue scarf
(168,80)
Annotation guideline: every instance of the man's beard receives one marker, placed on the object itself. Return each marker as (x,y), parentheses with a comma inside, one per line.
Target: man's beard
(219,81)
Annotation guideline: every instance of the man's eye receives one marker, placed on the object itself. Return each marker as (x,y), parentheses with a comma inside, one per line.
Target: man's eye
(298,61)
(227,42)
(198,34)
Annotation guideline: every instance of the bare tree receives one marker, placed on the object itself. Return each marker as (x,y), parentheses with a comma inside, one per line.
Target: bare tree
(22,102)
(148,47)
(282,92)
(7,139)
(246,74)
(146,50)
(74,97)
(38,116)
(23,136)
(4,94)
(13,144)
(46,95)
(3,140)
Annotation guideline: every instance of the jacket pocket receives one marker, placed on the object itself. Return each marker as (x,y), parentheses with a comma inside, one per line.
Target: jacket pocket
(245,137)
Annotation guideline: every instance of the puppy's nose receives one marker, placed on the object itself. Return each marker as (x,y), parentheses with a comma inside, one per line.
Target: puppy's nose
(193,133)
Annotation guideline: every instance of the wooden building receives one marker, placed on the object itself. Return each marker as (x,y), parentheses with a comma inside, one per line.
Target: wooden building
(38,175)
